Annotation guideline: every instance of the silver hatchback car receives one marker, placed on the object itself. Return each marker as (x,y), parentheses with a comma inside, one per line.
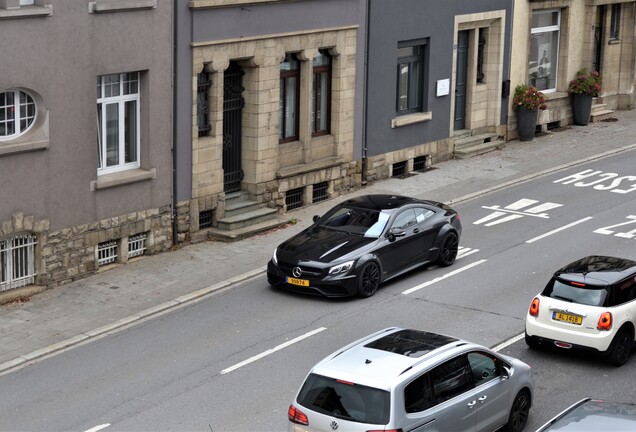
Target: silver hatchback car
(410,380)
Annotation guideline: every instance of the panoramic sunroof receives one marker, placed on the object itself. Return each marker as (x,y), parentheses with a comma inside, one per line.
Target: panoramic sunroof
(411,343)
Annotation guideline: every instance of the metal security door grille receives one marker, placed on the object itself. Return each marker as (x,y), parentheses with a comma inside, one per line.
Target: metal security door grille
(233,104)
(16,262)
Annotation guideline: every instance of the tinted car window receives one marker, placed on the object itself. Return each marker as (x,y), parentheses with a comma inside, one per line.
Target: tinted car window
(484,367)
(451,379)
(623,292)
(418,395)
(588,295)
(404,220)
(422,214)
(345,400)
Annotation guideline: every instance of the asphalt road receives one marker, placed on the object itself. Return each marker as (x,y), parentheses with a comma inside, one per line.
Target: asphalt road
(234,361)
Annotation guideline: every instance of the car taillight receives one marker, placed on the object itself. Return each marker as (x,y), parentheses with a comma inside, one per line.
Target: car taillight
(297,416)
(534,307)
(605,321)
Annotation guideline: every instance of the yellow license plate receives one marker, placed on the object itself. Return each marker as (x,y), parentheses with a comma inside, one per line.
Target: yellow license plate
(300,282)
(572,319)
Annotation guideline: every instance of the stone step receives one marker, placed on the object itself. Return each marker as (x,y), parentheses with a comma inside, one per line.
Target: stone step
(238,206)
(245,219)
(475,140)
(477,149)
(601,115)
(461,133)
(247,231)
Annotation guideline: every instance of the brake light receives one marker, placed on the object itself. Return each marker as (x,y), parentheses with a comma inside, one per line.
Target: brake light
(534,307)
(605,321)
(297,416)
(577,284)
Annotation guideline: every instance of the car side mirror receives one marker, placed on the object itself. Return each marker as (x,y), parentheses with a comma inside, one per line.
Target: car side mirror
(505,373)
(394,233)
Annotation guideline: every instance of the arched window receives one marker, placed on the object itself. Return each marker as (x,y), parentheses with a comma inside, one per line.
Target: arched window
(17,113)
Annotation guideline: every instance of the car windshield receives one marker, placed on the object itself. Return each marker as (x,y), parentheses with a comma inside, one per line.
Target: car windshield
(591,295)
(366,222)
(345,400)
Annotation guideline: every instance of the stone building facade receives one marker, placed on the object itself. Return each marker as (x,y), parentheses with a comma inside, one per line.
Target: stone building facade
(553,39)
(85,157)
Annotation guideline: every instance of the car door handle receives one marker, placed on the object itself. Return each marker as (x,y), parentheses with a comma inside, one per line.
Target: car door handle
(416,230)
(472,404)
(483,398)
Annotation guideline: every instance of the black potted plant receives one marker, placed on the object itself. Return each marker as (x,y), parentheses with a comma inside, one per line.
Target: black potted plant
(527,102)
(583,89)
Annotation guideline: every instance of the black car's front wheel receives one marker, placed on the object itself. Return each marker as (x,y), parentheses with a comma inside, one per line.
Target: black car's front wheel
(448,250)
(368,279)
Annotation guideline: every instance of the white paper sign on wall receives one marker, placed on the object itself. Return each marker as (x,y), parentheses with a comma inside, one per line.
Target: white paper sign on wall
(443,87)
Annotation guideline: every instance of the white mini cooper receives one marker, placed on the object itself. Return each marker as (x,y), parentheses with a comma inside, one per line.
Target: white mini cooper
(588,304)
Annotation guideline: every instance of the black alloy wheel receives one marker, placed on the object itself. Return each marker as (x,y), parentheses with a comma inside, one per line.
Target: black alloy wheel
(448,251)
(368,279)
(519,412)
(620,348)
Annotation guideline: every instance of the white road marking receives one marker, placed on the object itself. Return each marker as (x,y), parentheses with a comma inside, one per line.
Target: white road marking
(515,211)
(559,229)
(98,427)
(508,342)
(447,275)
(273,350)
(463,252)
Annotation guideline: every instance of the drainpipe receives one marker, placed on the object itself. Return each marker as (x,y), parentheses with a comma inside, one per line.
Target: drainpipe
(365,103)
(173,198)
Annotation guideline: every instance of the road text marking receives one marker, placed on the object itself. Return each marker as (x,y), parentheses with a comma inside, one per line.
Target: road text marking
(516,210)
(447,275)
(559,229)
(273,350)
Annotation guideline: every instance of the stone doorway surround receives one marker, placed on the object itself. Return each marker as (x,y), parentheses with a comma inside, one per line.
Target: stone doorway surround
(483,100)
(272,168)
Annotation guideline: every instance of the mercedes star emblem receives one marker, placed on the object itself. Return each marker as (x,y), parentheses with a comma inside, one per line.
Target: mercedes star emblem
(297,272)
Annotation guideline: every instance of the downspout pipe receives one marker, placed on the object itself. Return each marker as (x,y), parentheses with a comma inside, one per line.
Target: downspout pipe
(173,198)
(365,104)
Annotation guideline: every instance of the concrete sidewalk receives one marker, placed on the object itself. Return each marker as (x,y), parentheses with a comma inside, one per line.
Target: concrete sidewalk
(74,313)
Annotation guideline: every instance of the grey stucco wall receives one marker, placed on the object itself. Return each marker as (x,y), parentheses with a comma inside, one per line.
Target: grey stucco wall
(391,21)
(59,57)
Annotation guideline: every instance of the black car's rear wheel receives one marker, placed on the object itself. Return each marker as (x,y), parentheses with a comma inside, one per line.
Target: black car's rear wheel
(448,251)
(368,279)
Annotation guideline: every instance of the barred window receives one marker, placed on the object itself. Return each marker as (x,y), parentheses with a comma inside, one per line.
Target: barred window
(17,259)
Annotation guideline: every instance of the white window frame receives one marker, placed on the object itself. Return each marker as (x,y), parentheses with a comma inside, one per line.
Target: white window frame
(549,29)
(121,99)
(17,110)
